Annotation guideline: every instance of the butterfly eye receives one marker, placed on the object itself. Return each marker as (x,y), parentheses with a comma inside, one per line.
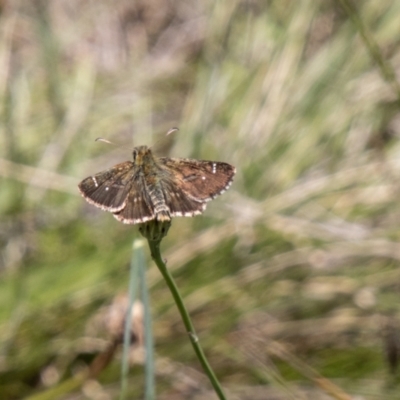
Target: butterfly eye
(134,154)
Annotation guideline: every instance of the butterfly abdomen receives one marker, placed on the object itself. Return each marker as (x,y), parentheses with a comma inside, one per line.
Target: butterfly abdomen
(161,210)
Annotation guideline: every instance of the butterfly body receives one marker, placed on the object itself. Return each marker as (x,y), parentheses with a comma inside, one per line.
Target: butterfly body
(156,188)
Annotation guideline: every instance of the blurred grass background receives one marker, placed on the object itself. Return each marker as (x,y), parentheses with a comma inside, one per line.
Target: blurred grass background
(290,275)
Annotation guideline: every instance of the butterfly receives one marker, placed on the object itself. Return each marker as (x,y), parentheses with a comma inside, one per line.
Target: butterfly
(157,188)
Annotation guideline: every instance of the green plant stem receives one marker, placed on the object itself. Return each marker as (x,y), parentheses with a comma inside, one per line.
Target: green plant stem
(156,256)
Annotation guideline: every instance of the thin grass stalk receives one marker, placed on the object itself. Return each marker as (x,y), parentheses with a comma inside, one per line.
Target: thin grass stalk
(150,386)
(325,384)
(133,286)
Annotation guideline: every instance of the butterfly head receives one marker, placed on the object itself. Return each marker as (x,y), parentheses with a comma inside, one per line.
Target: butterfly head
(142,155)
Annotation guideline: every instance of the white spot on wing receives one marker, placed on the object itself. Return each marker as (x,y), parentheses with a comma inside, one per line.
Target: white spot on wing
(95,181)
(203,177)
(107,189)
(214,168)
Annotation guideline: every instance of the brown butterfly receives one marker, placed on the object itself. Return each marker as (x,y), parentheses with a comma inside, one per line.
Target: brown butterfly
(156,188)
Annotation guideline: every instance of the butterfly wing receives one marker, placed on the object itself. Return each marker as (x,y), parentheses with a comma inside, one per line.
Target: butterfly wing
(179,203)
(109,189)
(200,180)
(138,206)
(149,189)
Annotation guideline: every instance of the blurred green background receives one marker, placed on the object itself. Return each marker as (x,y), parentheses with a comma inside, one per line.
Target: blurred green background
(291,275)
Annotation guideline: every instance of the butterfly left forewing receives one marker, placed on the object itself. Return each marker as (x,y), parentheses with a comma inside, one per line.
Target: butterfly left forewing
(109,189)
(200,180)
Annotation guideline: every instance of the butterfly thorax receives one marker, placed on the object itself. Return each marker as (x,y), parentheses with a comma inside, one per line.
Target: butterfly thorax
(142,156)
(152,174)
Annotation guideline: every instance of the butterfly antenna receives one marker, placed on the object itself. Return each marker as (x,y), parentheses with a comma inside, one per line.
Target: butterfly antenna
(172,130)
(100,139)
(162,138)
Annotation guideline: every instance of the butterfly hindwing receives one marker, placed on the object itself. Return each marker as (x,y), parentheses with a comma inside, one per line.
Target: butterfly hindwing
(138,207)
(179,203)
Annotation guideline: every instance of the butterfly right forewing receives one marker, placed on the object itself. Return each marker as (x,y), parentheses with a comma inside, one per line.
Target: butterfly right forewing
(200,180)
